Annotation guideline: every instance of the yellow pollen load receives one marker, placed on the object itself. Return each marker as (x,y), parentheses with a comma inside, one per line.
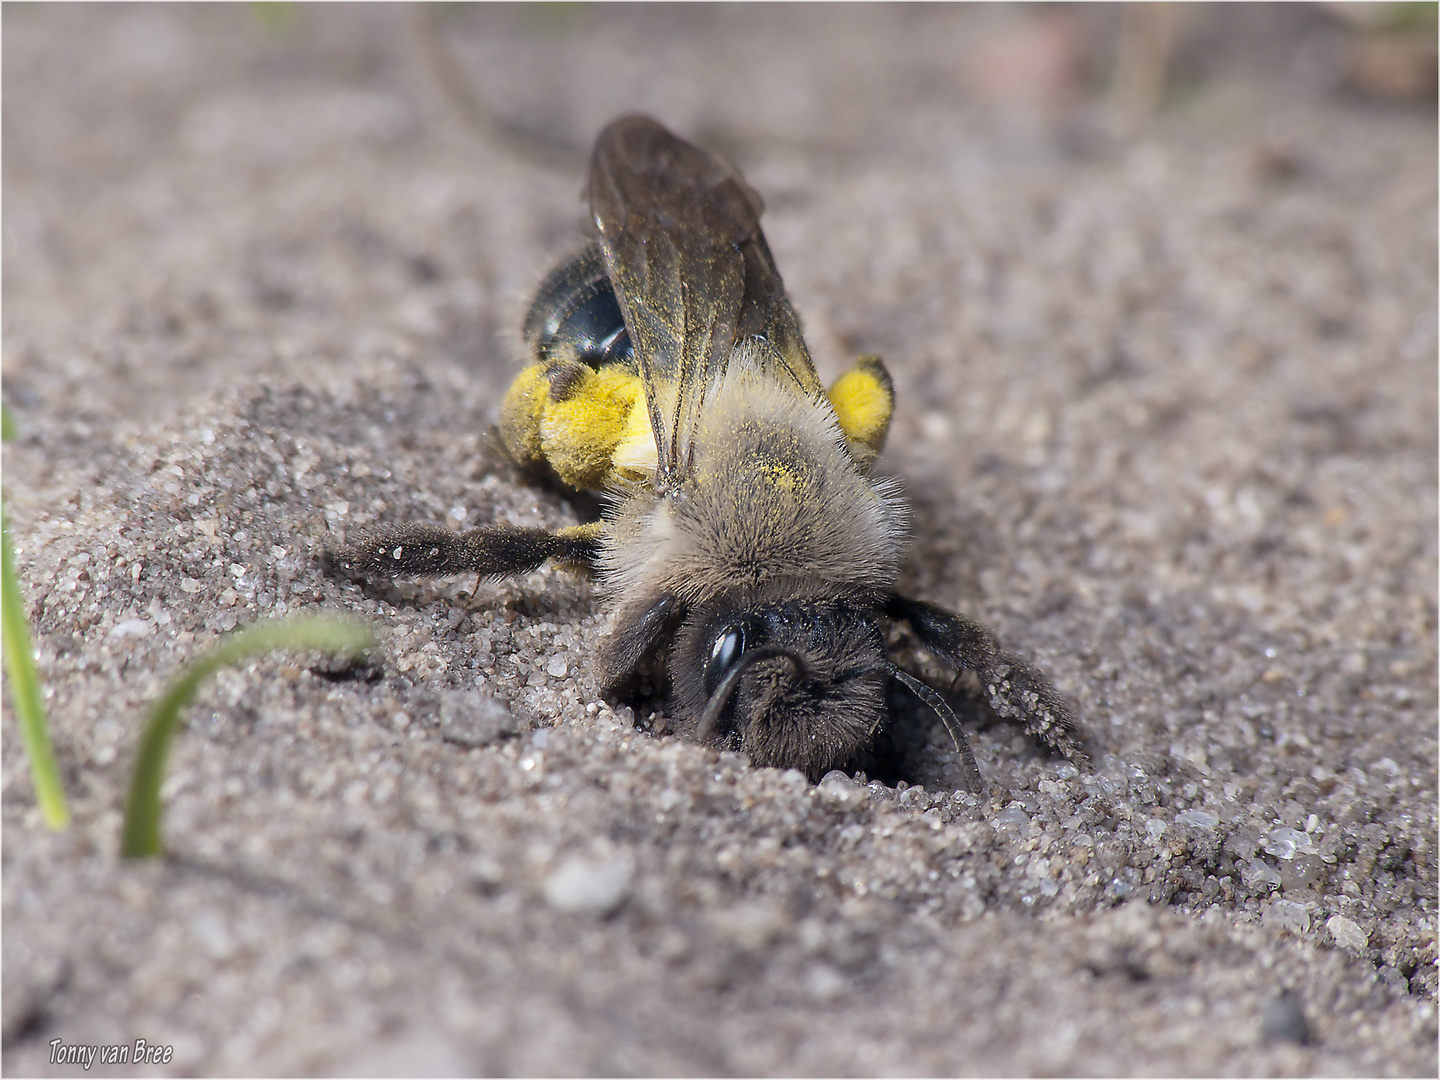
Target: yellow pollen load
(635,457)
(520,415)
(863,404)
(579,434)
(599,432)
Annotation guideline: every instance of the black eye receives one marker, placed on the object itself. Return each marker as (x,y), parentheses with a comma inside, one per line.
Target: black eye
(730,643)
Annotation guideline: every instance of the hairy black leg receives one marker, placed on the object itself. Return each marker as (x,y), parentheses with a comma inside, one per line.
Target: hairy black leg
(1015,688)
(638,631)
(492,550)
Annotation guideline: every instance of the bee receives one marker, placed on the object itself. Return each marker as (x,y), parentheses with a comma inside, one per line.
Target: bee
(750,557)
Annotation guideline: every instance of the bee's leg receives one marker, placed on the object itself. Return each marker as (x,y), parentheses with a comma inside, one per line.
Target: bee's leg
(492,550)
(639,629)
(864,399)
(1017,691)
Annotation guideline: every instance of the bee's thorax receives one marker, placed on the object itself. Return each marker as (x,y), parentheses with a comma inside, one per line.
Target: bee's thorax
(773,493)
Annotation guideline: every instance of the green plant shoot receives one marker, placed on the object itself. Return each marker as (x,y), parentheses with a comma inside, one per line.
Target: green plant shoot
(24,683)
(141,836)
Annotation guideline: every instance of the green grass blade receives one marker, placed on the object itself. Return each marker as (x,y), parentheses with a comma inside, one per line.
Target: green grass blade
(24,683)
(141,836)
(25,690)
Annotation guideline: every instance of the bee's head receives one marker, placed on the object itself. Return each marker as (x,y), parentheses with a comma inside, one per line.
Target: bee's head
(798,683)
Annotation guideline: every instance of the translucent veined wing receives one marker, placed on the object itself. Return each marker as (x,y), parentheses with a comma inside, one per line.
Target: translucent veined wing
(680,232)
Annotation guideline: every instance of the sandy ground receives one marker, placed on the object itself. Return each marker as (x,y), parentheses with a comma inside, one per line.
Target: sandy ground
(1167,416)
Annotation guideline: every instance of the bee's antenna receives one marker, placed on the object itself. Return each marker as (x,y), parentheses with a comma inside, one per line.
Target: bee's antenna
(710,718)
(928,694)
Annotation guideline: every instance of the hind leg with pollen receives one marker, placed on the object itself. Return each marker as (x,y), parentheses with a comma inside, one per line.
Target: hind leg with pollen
(588,426)
(864,400)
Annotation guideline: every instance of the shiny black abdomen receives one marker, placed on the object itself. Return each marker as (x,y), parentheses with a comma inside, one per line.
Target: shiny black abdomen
(576,316)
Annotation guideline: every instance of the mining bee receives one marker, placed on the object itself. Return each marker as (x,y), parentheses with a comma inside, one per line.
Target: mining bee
(750,558)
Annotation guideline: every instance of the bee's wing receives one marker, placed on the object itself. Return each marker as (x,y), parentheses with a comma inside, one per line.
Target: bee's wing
(680,231)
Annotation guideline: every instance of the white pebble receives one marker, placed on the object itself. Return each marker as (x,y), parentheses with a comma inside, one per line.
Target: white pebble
(1012,817)
(1348,934)
(1287,915)
(824,983)
(588,885)
(1197,819)
(839,790)
(1260,872)
(1285,842)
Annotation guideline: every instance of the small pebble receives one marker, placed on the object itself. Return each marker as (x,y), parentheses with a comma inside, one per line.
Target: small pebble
(1284,842)
(824,983)
(1394,978)
(1260,874)
(1348,934)
(473,718)
(1287,915)
(1197,819)
(837,789)
(590,886)
(1012,817)
(1300,873)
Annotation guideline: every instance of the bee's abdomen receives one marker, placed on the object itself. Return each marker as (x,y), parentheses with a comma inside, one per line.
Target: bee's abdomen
(593,333)
(576,316)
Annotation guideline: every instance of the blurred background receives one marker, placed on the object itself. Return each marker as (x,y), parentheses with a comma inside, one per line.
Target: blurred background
(181,127)
(1157,286)
(169,115)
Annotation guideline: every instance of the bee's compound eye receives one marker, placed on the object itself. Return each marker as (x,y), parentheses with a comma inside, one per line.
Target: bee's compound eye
(726,650)
(730,643)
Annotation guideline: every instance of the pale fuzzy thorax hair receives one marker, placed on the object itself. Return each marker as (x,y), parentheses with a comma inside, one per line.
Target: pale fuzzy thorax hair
(773,494)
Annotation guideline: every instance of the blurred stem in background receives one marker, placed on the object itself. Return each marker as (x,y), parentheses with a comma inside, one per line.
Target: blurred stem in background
(1392,49)
(1142,62)
(470,104)
(1389,50)
(275,17)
